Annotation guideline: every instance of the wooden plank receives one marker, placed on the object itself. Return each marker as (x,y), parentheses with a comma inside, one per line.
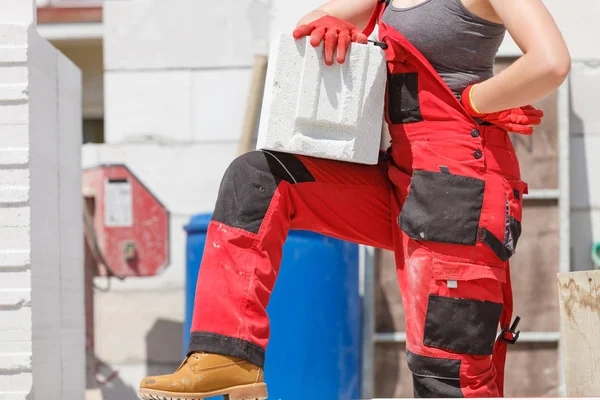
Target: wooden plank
(579,297)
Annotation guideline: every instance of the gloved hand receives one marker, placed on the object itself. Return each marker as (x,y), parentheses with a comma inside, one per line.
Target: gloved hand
(337,34)
(518,120)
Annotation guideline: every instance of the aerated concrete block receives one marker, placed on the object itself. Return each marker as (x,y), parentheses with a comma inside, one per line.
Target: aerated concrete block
(584,163)
(585,84)
(148,105)
(312,109)
(177,34)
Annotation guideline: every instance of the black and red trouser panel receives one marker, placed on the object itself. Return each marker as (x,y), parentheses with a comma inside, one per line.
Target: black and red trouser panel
(263,194)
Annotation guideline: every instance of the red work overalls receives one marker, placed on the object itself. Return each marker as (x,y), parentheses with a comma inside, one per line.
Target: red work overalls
(447,201)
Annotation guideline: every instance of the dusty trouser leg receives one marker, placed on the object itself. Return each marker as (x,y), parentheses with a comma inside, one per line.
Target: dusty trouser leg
(263,194)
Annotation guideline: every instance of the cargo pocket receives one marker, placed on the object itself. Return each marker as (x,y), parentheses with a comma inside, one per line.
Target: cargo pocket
(403,98)
(443,207)
(464,307)
(504,245)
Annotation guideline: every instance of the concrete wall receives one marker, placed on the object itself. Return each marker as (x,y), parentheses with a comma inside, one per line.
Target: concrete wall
(41,248)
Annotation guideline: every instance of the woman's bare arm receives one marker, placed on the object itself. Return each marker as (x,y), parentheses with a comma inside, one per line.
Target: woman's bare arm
(543,67)
(357,12)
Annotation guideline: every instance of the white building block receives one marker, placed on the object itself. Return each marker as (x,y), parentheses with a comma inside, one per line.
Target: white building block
(176,34)
(14,194)
(14,176)
(323,111)
(14,238)
(45,245)
(71,257)
(14,137)
(11,258)
(148,106)
(585,86)
(16,327)
(14,112)
(219,100)
(15,217)
(12,36)
(12,384)
(585,164)
(18,12)
(15,298)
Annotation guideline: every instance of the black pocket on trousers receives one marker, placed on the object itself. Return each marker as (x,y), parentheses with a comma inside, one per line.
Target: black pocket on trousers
(443,207)
(505,245)
(461,325)
(403,98)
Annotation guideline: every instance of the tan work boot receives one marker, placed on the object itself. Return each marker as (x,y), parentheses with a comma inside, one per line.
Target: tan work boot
(204,375)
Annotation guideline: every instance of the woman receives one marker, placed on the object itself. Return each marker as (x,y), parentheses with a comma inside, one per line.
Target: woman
(446,199)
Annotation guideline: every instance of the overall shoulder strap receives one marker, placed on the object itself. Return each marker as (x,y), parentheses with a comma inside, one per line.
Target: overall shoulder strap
(377,12)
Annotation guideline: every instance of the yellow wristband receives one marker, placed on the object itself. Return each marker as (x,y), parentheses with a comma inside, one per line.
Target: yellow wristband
(471,100)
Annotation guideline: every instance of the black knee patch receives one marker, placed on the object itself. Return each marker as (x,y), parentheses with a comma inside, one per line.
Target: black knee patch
(434,377)
(249,184)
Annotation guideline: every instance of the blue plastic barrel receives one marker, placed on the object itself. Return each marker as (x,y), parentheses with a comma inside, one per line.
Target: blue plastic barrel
(315,314)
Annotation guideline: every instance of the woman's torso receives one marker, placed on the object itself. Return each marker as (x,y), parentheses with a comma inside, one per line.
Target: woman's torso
(459,45)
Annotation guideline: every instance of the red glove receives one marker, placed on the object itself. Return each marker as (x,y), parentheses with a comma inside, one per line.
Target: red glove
(518,120)
(337,34)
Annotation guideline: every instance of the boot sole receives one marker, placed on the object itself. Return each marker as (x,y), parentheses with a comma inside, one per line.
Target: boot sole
(255,391)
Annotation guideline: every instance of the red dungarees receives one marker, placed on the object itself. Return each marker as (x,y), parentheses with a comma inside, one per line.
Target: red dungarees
(447,202)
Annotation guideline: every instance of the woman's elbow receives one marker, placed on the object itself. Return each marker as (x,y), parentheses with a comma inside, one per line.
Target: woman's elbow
(556,66)
(560,67)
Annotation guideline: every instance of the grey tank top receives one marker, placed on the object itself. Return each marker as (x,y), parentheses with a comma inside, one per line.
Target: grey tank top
(458,44)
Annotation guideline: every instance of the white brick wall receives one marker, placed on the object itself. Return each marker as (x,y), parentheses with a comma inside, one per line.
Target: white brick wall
(41,333)
(15,266)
